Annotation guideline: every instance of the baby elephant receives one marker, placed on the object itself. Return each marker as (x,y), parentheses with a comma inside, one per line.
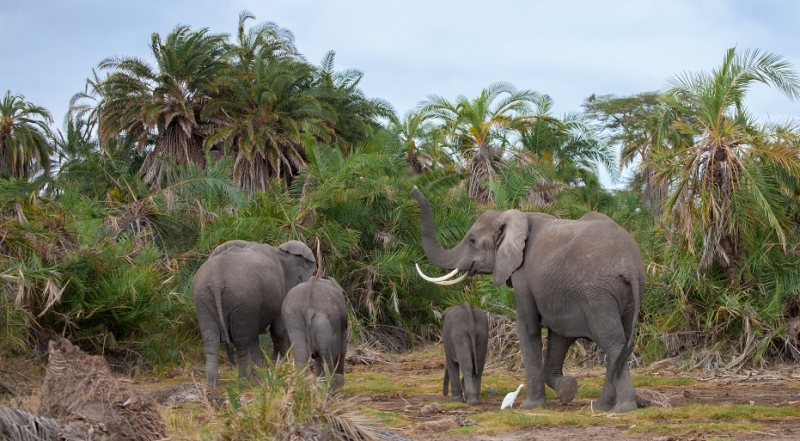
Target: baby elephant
(465,331)
(315,314)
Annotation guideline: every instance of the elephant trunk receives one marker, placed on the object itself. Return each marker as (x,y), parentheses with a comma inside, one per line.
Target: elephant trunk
(440,257)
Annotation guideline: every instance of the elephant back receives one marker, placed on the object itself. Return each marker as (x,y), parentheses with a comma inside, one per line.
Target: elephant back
(227,245)
(320,295)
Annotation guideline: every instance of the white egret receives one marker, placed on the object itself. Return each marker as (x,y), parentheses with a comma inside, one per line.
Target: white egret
(508,401)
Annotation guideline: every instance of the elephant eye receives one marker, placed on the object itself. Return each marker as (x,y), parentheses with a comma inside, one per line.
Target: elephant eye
(472,241)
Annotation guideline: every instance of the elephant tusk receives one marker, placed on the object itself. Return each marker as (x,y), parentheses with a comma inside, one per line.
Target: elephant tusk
(453,282)
(436,279)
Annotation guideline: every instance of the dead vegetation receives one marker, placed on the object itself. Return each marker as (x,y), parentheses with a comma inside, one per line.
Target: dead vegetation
(19,425)
(80,390)
(187,392)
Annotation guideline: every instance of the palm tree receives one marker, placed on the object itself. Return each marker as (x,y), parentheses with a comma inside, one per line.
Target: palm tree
(423,143)
(634,123)
(266,39)
(356,116)
(479,130)
(729,172)
(24,135)
(160,105)
(266,114)
(570,148)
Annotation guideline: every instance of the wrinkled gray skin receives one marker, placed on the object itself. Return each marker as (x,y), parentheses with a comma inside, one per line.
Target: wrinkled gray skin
(465,333)
(577,278)
(238,293)
(315,313)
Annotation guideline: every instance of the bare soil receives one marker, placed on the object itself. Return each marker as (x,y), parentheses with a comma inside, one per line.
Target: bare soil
(777,387)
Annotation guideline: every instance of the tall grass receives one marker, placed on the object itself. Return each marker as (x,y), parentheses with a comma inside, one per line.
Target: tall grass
(289,403)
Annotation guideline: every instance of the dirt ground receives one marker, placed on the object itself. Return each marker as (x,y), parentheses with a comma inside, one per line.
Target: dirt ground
(777,387)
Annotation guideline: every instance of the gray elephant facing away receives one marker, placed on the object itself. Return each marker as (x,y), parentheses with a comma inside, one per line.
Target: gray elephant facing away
(577,278)
(238,293)
(465,333)
(315,313)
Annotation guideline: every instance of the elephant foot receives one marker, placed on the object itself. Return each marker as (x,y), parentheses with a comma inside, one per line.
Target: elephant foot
(567,389)
(533,403)
(626,406)
(472,402)
(621,407)
(337,382)
(456,399)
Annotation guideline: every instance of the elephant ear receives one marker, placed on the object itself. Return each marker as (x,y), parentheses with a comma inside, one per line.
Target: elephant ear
(511,234)
(298,249)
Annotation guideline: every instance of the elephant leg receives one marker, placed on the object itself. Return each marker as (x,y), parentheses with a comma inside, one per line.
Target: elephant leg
(477,381)
(280,338)
(626,394)
(556,352)
(340,359)
(338,376)
(327,358)
(300,349)
(618,394)
(471,388)
(530,341)
(327,343)
(210,335)
(255,353)
(319,367)
(230,353)
(455,381)
(243,359)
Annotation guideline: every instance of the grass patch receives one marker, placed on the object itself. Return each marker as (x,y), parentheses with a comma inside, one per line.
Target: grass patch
(501,421)
(378,383)
(676,421)
(640,381)
(191,421)
(388,419)
(453,405)
(729,412)
(686,428)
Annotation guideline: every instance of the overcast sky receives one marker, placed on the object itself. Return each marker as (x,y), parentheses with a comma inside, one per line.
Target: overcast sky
(409,49)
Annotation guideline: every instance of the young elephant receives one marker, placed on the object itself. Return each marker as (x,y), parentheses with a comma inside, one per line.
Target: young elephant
(315,314)
(465,331)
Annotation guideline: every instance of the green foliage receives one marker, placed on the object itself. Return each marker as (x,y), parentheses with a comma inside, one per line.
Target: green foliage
(24,138)
(216,140)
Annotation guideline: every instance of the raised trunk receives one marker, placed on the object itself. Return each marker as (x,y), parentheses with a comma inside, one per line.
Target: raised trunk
(436,254)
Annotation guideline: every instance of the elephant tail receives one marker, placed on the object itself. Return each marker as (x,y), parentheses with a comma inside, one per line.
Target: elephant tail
(223,329)
(311,342)
(628,350)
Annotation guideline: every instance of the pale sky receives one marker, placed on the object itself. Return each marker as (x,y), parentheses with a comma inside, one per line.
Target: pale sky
(568,49)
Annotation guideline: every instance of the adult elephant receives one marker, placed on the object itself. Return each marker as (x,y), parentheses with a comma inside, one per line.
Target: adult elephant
(577,278)
(238,293)
(315,313)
